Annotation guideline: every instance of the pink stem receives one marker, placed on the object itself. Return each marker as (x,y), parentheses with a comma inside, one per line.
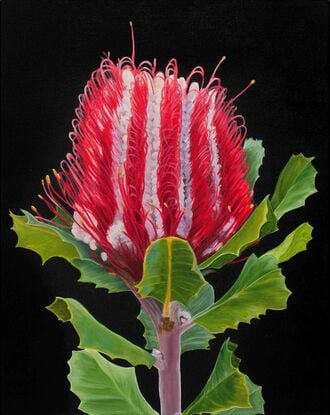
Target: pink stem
(169,340)
(169,372)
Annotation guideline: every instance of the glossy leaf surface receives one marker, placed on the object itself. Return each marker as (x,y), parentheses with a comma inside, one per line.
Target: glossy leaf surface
(256,400)
(293,244)
(260,223)
(170,271)
(95,336)
(50,241)
(255,153)
(259,287)
(105,388)
(227,388)
(42,240)
(295,183)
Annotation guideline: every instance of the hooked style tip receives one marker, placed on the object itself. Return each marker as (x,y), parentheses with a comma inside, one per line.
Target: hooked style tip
(56,174)
(133,41)
(215,70)
(252,82)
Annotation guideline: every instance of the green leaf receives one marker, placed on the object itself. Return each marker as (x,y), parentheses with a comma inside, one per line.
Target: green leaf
(149,333)
(294,243)
(95,336)
(260,286)
(64,233)
(201,300)
(105,388)
(94,273)
(226,387)
(255,153)
(260,223)
(195,338)
(256,400)
(50,241)
(295,183)
(170,272)
(42,240)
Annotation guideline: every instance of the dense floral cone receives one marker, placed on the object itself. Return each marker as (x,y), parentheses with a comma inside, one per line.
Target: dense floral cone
(153,155)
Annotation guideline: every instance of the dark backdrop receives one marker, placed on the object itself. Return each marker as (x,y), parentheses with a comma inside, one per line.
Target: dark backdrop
(49,50)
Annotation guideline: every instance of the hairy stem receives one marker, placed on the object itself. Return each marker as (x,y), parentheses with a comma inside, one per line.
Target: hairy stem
(169,372)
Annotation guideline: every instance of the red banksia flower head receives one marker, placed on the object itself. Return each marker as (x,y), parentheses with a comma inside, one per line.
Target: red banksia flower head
(154,154)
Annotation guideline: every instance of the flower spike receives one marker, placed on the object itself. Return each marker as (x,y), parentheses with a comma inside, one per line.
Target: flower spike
(153,155)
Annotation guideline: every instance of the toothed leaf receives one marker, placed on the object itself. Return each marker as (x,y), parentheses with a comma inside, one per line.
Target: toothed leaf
(294,243)
(260,223)
(95,336)
(259,287)
(105,388)
(51,241)
(226,387)
(255,153)
(295,184)
(256,400)
(42,240)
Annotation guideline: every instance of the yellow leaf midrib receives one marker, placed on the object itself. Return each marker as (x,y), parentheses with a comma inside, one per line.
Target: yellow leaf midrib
(168,295)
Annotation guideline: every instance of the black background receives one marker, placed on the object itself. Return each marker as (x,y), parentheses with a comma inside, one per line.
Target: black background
(49,50)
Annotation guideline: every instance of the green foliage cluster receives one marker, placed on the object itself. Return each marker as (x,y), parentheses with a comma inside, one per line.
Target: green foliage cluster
(171,273)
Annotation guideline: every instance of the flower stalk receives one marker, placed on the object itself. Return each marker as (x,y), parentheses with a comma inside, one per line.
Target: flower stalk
(168,357)
(169,372)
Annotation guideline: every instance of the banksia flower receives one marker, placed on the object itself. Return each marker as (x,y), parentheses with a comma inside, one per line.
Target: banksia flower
(154,155)
(158,191)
